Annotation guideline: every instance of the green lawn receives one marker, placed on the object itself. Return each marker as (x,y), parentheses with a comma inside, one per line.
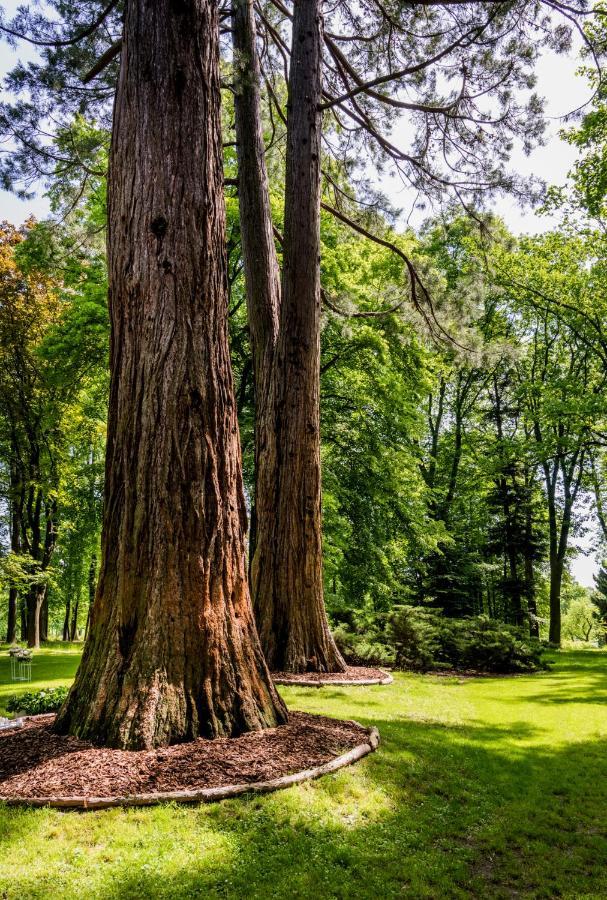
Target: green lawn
(481,788)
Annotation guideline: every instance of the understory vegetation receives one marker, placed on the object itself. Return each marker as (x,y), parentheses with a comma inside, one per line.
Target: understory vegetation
(418,639)
(33,703)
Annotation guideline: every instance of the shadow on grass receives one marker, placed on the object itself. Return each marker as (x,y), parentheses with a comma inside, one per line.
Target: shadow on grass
(442,810)
(433,830)
(438,812)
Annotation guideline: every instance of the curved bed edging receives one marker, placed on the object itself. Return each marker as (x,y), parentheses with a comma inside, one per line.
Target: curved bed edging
(206,795)
(341,682)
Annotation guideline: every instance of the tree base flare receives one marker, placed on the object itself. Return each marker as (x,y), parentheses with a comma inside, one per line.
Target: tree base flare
(40,768)
(352,676)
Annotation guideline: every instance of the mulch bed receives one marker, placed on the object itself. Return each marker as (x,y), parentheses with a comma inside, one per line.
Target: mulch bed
(36,764)
(353,675)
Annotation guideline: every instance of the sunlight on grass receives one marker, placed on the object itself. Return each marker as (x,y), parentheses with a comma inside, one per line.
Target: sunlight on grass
(52,666)
(481,787)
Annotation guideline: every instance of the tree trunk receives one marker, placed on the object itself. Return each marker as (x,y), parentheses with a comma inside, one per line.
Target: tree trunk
(35,601)
(534,625)
(44,618)
(261,270)
(73,631)
(92,591)
(67,618)
(23,619)
(172,651)
(11,629)
(15,524)
(556,579)
(287,565)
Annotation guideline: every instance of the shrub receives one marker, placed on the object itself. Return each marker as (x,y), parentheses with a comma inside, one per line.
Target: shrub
(35,702)
(362,649)
(426,640)
(361,637)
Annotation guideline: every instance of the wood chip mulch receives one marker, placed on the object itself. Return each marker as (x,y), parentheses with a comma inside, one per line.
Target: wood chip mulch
(352,675)
(35,762)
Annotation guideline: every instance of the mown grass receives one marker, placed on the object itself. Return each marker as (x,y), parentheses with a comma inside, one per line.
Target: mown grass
(482,788)
(52,666)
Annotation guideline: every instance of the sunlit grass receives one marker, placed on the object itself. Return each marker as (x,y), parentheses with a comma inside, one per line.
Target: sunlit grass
(52,666)
(489,787)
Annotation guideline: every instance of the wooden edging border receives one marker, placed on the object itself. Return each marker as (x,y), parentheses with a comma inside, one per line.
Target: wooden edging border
(341,682)
(205,795)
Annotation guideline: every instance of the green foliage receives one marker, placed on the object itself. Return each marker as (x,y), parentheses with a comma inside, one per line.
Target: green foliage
(33,703)
(361,637)
(424,640)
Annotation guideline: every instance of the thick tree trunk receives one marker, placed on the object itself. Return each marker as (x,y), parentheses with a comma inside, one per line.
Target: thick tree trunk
(287,565)
(261,269)
(172,651)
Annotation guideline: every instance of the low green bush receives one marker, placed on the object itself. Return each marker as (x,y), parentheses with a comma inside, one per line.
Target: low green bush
(424,640)
(35,702)
(361,637)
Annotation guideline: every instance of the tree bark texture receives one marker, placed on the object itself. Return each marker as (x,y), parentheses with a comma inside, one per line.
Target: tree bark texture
(261,269)
(286,571)
(172,651)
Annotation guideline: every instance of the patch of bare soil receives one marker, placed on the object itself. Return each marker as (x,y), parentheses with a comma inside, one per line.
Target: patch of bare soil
(37,763)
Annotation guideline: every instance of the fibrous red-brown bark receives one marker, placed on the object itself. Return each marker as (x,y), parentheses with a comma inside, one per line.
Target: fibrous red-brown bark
(172,650)
(286,569)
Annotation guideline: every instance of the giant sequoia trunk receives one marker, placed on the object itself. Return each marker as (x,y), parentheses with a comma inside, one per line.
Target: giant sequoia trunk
(172,650)
(287,564)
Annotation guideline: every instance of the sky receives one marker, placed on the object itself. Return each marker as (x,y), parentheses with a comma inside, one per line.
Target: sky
(563,91)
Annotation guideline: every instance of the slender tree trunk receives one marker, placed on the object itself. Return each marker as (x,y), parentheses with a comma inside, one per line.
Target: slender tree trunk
(67,618)
(261,270)
(15,523)
(92,591)
(23,619)
(35,601)
(44,618)
(11,629)
(287,566)
(73,629)
(534,625)
(556,580)
(513,577)
(172,651)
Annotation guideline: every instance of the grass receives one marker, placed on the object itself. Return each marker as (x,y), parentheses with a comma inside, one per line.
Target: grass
(52,666)
(481,788)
